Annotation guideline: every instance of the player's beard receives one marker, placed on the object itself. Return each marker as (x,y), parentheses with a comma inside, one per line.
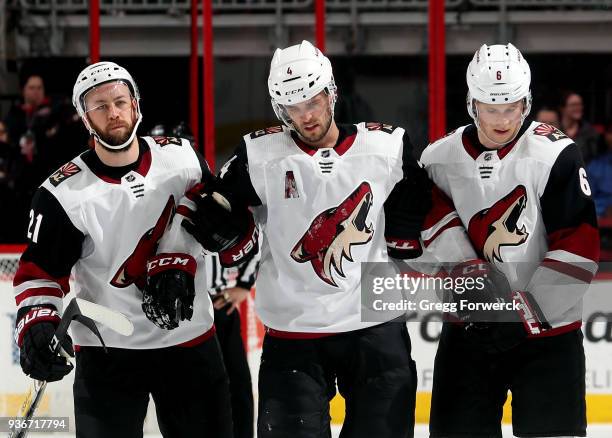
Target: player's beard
(326,123)
(108,136)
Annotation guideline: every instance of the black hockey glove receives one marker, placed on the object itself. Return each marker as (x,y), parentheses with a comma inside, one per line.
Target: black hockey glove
(224,228)
(494,329)
(477,285)
(33,333)
(169,291)
(405,210)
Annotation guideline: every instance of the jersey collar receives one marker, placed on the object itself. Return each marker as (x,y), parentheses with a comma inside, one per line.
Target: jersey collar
(474,148)
(113,175)
(346,138)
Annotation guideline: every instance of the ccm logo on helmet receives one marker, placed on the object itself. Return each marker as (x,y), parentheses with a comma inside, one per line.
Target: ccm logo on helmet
(299,90)
(167,261)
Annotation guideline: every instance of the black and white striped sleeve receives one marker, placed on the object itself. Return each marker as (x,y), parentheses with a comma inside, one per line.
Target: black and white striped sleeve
(220,278)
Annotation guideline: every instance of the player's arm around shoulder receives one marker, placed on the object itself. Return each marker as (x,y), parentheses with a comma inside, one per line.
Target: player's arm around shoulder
(406,206)
(169,291)
(221,220)
(443,233)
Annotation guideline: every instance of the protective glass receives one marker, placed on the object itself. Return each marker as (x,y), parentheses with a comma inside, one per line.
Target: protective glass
(314,106)
(109,97)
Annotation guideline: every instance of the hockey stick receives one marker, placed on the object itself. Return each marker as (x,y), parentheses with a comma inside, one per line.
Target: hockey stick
(87,313)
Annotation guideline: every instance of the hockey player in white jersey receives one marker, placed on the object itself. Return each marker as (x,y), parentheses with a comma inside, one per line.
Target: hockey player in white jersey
(522,193)
(327,197)
(108,216)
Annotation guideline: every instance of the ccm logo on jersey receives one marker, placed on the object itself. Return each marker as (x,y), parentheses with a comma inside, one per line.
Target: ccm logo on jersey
(63,173)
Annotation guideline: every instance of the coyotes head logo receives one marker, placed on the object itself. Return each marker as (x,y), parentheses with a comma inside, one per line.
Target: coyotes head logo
(332,233)
(134,268)
(496,226)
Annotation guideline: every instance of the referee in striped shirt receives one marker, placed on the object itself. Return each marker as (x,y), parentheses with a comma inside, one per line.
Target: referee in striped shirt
(228,288)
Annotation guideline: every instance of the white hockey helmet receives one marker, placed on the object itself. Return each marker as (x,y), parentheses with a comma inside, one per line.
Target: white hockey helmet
(498,74)
(95,75)
(298,73)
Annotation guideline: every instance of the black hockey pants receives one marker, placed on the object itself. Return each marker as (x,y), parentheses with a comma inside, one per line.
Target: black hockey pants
(374,372)
(189,386)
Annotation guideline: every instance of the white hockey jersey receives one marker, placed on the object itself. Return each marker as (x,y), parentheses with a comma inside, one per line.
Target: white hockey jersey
(321,214)
(526,208)
(102,224)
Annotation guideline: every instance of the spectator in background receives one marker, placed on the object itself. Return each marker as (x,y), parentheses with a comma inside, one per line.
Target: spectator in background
(43,136)
(27,122)
(600,176)
(7,196)
(5,154)
(575,127)
(65,136)
(27,119)
(548,115)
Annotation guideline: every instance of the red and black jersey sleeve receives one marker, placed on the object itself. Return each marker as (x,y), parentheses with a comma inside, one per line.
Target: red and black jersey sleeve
(54,247)
(569,215)
(570,263)
(176,239)
(234,179)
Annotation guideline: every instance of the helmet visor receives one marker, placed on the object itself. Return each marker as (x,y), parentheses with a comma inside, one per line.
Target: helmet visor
(313,107)
(108,97)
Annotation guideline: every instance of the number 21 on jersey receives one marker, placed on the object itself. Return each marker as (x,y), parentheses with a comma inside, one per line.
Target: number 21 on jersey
(34,226)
